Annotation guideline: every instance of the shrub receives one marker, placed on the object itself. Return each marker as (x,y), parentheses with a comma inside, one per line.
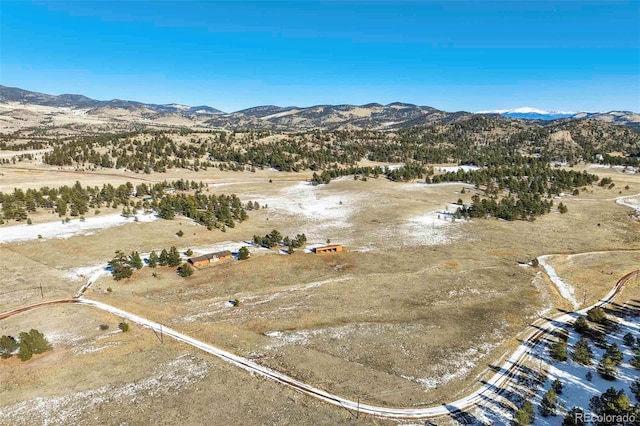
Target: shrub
(635,359)
(635,389)
(557,386)
(629,340)
(581,325)
(8,345)
(180,233)
(243,253)
(123,326)
(596,315)
(185,270)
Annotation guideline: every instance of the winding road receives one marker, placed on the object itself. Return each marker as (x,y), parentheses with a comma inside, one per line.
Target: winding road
(538,330)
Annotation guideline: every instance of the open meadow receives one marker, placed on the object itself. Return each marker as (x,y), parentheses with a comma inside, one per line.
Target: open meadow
(411,314)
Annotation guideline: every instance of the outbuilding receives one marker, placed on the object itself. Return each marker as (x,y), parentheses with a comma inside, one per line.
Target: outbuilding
(334,248)
(207,259)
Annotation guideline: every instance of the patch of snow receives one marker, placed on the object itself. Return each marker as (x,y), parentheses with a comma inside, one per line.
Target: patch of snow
(66,230)
(431,228)
(626,169)
(90,349)
(632,201)
(566,290)
(321,211)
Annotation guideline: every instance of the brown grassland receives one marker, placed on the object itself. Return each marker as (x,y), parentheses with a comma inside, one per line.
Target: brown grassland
(412,314)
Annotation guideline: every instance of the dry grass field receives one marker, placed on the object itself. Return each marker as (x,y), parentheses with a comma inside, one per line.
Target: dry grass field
(412,314)
(109,377)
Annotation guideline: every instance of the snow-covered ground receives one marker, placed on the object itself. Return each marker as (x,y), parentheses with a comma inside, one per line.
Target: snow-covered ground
(566,290)
(632,201)
(322,212)
(431,228)
(626,169)
(232,246)
(66,230)
(577,390)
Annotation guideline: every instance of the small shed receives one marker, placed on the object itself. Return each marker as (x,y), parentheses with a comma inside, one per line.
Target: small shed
(333,248)
(207,259)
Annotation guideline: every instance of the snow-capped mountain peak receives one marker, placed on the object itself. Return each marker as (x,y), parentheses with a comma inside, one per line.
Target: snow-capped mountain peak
(524,110)
(529,113)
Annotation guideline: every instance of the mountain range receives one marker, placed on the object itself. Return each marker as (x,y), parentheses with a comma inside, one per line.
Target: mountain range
(528,113)
(15,103)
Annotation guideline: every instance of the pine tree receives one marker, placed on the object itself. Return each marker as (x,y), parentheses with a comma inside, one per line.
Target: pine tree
(521,418)
(36,340)
(607,368)
(243,253)
(24,353)
(8,345)
(596,314)
(163,260)
(557,386)
(120,267)
(153,260)
(635,359)
(185,270)
(173,259)
(615,354)
(612,402)
(559,350)
(635,389)
(581,325)
(628,339)
(575,417)
(582,353)
(135,261)
(548,404)
(528,408)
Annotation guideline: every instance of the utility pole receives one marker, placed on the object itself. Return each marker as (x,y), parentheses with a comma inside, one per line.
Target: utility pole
(159,337)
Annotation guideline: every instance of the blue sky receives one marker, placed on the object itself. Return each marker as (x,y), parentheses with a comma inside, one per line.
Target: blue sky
(453,55)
